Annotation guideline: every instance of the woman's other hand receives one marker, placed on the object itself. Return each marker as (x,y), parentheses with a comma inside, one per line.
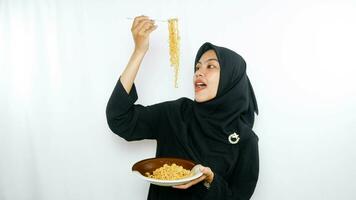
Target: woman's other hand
(141,29)
(208,176)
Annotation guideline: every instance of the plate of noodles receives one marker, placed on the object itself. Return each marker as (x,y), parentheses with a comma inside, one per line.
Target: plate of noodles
(166,171)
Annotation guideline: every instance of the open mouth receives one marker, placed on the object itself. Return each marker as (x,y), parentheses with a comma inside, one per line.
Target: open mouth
(200,86)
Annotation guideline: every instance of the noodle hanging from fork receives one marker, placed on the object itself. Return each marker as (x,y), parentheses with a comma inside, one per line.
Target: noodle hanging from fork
(174,47)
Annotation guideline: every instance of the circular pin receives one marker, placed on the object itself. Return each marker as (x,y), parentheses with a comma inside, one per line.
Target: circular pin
(234,138)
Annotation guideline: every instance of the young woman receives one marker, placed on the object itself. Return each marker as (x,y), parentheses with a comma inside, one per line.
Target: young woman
(214,130)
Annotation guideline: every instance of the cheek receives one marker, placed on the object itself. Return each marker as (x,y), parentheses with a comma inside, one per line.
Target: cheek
(215,80)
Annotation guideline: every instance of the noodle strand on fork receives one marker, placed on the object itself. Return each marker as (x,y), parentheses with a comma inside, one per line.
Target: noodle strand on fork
(174,47)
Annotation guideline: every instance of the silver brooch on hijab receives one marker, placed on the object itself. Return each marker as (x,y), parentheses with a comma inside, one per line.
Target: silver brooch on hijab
(234,138)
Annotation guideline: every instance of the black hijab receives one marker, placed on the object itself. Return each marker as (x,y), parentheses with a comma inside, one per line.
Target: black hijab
(235,102)
(203,129)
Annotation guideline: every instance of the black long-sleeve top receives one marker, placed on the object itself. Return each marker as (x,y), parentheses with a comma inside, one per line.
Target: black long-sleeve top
(235,177)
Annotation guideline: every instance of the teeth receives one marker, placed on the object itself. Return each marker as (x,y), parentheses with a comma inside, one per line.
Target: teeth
(200,85)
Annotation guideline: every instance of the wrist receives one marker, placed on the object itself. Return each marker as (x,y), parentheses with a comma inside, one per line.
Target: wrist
(140,52)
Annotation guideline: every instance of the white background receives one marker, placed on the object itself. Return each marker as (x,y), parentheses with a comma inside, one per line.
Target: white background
(60,60)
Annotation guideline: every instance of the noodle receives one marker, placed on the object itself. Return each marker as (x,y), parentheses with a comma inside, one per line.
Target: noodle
(174,47)
(169,172)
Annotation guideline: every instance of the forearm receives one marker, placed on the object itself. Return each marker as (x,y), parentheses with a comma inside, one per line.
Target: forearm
(129,74)
(141,29)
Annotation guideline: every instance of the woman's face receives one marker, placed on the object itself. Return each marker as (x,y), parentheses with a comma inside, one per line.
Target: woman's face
(206,77)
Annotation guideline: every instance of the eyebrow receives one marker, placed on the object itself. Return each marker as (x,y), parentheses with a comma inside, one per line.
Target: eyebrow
(210,59)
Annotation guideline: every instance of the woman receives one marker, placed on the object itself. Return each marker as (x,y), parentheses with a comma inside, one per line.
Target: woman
(214,130)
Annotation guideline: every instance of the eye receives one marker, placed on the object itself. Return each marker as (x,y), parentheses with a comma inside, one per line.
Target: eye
(211,66)
(197,68)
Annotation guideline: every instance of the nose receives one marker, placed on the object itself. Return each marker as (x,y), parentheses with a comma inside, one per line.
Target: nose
(199,73)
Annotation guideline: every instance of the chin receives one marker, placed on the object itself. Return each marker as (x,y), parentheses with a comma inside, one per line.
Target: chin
(203,98)
(200,100)
(197,99)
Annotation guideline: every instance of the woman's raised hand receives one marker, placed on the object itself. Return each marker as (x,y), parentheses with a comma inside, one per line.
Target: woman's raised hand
(141,29)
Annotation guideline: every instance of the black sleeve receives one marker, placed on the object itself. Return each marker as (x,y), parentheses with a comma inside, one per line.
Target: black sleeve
(132,121)
(244,179)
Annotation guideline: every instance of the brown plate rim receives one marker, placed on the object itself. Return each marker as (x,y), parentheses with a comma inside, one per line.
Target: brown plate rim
(163,158)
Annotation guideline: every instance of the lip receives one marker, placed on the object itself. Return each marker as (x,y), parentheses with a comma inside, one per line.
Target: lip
(197,89)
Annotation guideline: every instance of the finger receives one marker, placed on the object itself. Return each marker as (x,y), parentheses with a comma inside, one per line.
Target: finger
(208,173)
(137,21)
(206,170)
(189,184)
(139,25)
(145,27)
(197,180)
(149,31)
(145,23)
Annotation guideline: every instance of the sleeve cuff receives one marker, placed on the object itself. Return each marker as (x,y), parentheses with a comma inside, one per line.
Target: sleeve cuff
(131,97)
(120,99)
(213,185)
(214,189)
